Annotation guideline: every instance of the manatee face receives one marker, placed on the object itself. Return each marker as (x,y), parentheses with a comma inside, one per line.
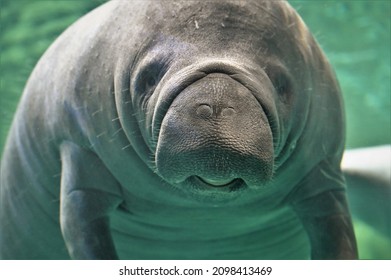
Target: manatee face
(215,135)
(217,105)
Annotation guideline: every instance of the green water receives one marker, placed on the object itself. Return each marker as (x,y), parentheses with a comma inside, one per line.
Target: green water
(354,34)
(356,37)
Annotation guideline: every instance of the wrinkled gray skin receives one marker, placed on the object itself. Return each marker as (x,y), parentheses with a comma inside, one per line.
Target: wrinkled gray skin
(178,130)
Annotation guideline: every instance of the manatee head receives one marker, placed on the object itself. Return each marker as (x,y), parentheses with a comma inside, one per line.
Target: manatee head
(221,92)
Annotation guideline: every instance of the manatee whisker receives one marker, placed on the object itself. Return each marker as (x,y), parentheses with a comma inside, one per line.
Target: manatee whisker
(117,131)
(126,147)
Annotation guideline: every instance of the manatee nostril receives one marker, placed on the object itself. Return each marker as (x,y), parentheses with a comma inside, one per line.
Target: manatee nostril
(229,111)
(204,111)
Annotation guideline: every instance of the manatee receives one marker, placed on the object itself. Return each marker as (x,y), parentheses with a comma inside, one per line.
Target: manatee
(178,130)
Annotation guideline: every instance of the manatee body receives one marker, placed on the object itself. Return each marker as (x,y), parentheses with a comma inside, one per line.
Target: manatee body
(178,130)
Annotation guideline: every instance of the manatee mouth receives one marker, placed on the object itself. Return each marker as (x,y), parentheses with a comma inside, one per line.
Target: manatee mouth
(231,184)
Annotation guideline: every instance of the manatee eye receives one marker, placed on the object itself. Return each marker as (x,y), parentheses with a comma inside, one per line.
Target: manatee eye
(283,86)
(146,81)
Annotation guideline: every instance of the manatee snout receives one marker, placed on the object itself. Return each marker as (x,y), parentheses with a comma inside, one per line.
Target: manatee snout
(215,134)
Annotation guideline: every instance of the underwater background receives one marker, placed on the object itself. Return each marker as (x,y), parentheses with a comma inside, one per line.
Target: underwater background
(354,34)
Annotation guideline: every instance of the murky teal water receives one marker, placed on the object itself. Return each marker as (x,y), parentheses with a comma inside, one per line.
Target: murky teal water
(356,37)
(354,34)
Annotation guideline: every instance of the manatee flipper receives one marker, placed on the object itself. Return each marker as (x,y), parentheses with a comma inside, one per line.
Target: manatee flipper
(368,176)
(331,236)
(87,198)
(325,215)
